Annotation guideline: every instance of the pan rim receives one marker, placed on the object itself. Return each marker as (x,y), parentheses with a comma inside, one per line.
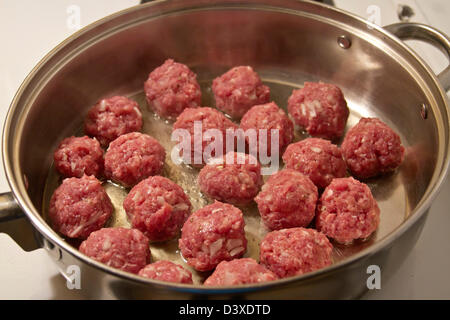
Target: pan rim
(17,187)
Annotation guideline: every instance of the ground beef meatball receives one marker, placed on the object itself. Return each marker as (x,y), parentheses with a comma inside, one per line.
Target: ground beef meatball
(235,178)
(239,271)
(171,88)
(347,211)
(319,108)
(111,118)
(79,156)
(288,199)
(120,248)
(372,148)
(238,90)
(213,234)
(269,117)
(295,251)
(133,157)
(79,206)
(207,118)
(158,207)
(166,271)
(316,158)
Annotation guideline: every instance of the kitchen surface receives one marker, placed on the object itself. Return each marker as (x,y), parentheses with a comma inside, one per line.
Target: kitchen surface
(29,29)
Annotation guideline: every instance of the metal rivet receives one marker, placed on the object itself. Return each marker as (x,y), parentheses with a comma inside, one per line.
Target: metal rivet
(344,42)
(424,111)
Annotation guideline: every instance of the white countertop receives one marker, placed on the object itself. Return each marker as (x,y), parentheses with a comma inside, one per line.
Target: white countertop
(29,29)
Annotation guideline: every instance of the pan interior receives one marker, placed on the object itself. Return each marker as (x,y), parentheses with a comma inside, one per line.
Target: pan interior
(286,49)
(389,191)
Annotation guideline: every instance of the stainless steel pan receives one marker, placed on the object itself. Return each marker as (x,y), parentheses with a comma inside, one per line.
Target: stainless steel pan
(287,42)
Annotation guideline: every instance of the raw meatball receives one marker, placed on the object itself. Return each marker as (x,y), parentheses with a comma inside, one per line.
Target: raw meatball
(347,211)
(79,206)
(295,251)
(213,234)
(111,118)
(78,156)
(288,199)
(371,148)
(133,157)
(238,90)
(239,271)
(319,108)
(158,207)
(120,248)
(166,271)
(237,181)
(171,88)
(316,158)
(208,118)
(270,117)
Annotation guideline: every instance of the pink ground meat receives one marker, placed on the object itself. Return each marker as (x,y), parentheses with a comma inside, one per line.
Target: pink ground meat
(236,180)
(158,207)
(210,119)
(288,199)
(78,156)
(213,234)
(120,248)
(316,158)
(171,88)
(319,108)
(166,271)
(239,271)
(269,117)
(111,118)
(79,206)
(372,148)
(295,251)
(133,157)
(239,89)
(347,211)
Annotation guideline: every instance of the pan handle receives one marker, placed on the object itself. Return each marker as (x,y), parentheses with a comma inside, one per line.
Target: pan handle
(9,209)
(422,32)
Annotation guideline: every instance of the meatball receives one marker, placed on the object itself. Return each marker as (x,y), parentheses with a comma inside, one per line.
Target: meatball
(111,118)
(318,159)
(319,108)
(78,156)
(236,178)
(269,117)
(166,271)
(238,90)
(120,248)
(133,157)
(347,211)
(295,251)
(213,234)
(79,206)
(239,271)
(171,88)
(207,118)
(288,199)
(372,148)
(158,207)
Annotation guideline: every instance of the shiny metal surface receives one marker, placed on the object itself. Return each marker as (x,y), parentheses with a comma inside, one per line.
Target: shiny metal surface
(287,42)
(9,209)
(417,31)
